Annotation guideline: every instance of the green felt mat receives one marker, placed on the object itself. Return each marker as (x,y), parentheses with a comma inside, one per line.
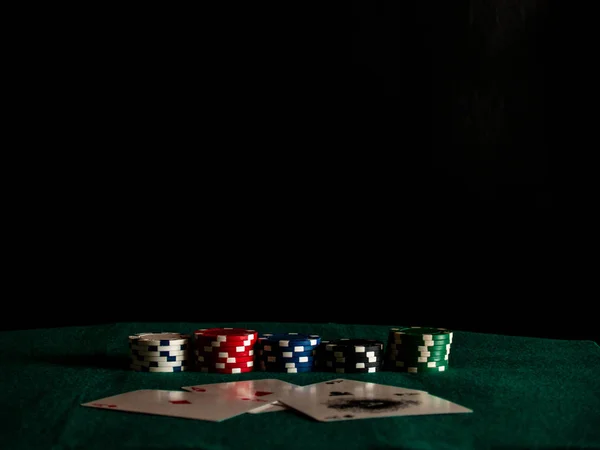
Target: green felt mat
(526,393)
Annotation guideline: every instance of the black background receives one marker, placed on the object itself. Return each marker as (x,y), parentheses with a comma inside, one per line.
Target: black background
(392,164)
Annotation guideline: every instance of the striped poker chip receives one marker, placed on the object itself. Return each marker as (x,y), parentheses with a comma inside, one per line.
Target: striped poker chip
(239,349)
(158,348)
(160,363)
(286,365)
(139,368)
(227,334)
(286,370)
(290,340)
(355,370)
(346,347)
(219,353)
(268,347)
(162,338)
(235,359)
(420,369)
(285,354)
(356,365)
(229,370)
(423,365)
(419,348)
(223,344)
(277,359)
(423,333)
(220,365)
(160,358)
(161,353)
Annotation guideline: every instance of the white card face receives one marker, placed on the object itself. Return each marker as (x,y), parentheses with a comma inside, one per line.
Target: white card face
(268,390)
(178,404)
(341,399)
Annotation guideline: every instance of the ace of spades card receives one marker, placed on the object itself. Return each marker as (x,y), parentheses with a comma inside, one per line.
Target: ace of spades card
(342,399)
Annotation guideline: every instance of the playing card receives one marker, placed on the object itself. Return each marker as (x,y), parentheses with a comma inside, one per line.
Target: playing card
(267,389)
(178,404)
(342,399)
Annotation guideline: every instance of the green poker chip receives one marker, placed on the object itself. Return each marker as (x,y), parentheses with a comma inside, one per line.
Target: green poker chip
(413,369)
(418,359)
(422,333)
(419,365)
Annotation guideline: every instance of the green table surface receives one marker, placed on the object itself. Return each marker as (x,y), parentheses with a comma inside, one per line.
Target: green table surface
(526,393)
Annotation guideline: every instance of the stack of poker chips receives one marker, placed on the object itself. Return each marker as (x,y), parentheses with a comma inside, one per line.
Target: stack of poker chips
(287,352)
(159,352)
(350,356)
(418,349)
(224,350)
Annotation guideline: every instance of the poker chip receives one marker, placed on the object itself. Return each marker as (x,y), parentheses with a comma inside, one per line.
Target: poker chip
(159,358)
(157,348)
(278,359)
(215,352)
(286,365)
(421,369)
(291,339)
(418,349)
(223,365)
(229,370)
(162,338)
(352,365)
(422,333)
(159,351)
(352,346)
(160,363)
(286,370)
(139,368)
(236,359)
(224,344)
(350,356)
(227,334)
(355,370)
(268,347)
(287,352)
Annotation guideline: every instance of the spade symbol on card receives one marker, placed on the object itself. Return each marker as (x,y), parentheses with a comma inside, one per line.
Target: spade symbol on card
(338,393)
(334,381)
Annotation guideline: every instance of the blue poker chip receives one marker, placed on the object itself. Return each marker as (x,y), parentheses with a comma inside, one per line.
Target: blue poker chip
(284,370)
(287,365)
(280,360)
(282,353)
(291,339)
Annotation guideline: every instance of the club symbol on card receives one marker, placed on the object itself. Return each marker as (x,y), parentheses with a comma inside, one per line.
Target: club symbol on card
(338,393)
(334,382)
(104,405)
(180,402)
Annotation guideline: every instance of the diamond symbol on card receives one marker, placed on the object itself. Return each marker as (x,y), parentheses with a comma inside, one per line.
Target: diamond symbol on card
(180,402)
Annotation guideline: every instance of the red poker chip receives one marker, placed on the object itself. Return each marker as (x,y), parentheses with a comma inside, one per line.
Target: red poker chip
(209,359)
(230,370)
(217,352)
(221,365)
(227,334)
(202,341)
(232,351)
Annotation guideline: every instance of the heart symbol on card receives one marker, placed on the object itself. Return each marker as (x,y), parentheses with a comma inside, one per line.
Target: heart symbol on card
(261,393)
(195,389)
